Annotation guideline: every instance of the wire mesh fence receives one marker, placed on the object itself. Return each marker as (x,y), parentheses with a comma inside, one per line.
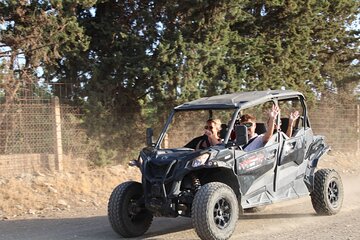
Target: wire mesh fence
(339,124)
(26,128)
(29,139)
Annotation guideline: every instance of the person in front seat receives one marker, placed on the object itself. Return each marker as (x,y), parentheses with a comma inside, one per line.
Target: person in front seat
(211,134)
(257,141)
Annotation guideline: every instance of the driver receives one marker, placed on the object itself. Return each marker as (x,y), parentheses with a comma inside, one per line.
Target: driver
(211,134)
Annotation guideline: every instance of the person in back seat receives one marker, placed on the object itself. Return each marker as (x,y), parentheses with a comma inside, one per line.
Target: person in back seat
(287,124)
(292,119)
(257,141)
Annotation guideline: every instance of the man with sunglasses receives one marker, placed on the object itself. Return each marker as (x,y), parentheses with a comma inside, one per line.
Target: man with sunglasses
(257,141)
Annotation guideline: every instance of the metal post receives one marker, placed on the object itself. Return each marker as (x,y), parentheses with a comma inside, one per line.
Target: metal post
(58,138)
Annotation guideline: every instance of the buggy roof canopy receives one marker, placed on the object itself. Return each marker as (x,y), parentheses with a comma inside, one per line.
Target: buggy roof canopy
(237,100)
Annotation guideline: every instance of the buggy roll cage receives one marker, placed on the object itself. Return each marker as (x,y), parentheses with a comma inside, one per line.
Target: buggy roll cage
(237,101)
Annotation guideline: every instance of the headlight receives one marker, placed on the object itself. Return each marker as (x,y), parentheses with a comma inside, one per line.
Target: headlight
(200,160)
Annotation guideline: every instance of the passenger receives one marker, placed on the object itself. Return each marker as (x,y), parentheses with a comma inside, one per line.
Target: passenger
(257,141)
(211,134)
(292,118)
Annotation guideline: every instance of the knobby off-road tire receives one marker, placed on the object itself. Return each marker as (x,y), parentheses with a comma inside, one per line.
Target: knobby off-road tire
(328,193)
(125,216)
(214,211)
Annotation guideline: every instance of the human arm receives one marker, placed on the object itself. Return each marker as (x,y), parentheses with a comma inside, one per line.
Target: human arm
(272,114)
(292,118)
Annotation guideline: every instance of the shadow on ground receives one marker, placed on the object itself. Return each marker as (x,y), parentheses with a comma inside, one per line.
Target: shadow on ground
(99,228)
(81,228)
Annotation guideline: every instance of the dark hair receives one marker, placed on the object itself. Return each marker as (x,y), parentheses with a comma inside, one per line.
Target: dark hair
(247,117)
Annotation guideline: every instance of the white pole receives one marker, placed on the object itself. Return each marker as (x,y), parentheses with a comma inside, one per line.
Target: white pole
(58,138)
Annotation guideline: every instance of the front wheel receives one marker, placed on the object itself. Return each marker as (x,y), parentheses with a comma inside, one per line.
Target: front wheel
(126,215)
(328,193)
(214,211)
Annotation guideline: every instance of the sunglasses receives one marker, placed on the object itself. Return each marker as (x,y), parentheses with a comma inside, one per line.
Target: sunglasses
(209,127)
(248,124)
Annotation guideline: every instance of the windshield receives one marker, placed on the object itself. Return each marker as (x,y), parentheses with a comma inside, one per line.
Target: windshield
(187,125)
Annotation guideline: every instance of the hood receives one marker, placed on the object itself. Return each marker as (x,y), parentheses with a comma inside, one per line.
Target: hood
(166,156)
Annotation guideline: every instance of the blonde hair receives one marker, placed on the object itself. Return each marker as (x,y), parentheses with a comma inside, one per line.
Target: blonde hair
(217,122)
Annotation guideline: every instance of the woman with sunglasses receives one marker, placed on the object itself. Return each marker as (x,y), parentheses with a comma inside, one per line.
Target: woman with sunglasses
(211,134)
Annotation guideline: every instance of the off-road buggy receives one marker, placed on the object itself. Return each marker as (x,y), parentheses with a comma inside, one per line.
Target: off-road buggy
(214,185)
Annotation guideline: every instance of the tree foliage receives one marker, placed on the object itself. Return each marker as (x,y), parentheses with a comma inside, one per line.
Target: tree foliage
(119,57)
(33,34)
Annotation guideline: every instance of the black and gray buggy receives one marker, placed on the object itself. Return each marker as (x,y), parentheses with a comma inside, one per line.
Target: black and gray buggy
(213,186)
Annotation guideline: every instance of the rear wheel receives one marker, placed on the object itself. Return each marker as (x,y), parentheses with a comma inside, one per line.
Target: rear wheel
(215,211)
(127,217)
(328,193)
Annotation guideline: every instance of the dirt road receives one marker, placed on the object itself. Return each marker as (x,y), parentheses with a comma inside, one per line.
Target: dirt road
(288,220)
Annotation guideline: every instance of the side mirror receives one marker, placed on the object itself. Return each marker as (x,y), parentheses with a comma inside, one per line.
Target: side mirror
(134,163)
(241,135)
(149,137)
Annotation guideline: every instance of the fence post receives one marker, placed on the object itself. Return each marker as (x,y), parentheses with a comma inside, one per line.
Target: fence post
(58,138)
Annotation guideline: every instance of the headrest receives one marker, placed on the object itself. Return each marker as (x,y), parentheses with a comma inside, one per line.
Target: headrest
(284,124)
(223,130)
(260,128)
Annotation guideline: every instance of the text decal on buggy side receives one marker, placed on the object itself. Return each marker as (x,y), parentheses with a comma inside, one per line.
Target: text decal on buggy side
(259,161)
(252,161)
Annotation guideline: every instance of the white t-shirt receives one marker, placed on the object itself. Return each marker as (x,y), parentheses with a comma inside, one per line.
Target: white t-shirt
(256,143)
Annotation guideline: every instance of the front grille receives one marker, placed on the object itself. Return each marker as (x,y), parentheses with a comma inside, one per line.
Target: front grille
(160,171)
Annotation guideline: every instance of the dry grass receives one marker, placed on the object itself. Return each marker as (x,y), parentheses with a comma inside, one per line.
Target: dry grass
(343,162)
(42,193)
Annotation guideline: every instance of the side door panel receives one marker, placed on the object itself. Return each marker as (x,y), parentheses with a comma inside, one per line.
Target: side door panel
(255,169)
(290,163)
(293,151)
